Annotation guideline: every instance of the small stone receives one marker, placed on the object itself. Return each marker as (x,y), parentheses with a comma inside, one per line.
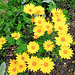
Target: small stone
(28,70)
(54,63)
(64,63)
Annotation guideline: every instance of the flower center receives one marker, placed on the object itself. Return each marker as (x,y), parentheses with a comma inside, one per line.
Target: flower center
(39,22)
(13,69)
(47,27)
(62,39)
(15,62)
(38,12)
(45,64)
(58,20)
(30,10)
(32,20)
(56,13)
(65,51)
(39,31)
(60,28)
(22,58)
(21,66)
(2,40)
(33,47)
(16,36)
(50,31)
(34,63)
(48,45)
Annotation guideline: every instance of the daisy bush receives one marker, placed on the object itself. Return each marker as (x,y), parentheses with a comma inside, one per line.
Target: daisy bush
(36,40)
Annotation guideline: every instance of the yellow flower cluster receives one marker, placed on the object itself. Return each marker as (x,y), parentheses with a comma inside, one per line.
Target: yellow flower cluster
(2,41)
(64,38)
(18,65)
(45,65)
(32,9)
(41,24)
(33,47)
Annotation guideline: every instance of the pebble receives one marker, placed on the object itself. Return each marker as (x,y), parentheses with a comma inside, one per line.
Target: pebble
(28,70)
(54,63)
(64,63)
(67,62)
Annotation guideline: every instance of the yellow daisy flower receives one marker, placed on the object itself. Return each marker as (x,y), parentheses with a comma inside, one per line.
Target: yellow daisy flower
(39,10)
(48,45)
(2,40)
(21,67)
(34,64)
(35,36)
(39,31)
(59,19)
(56,12)
(33,47)
(12,70)
(30,9)
(15,35)
(13,62)
(64,39)
(46,65)
(0,46)
(39,20)
(47,26)
(66,52)
(61,27)
(22,58)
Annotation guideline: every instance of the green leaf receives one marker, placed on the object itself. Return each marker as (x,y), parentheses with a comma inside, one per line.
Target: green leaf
(30,30)
(67,17)
(39,1)
(18,1)
(27,0)
(19,26)
(10,39)
(64,12)
(22,48)
(53,59)
(41,50)
(19,41)
(10,13)
(60,59)
(51,6)
(1,21)
(2,68)
(7,30)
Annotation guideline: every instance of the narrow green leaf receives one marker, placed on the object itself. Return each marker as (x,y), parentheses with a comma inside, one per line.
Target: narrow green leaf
(2,68)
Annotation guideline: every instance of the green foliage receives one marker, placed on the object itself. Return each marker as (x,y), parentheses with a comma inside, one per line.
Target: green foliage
(65,12)
(2,68)
(10,40)
(19,41)
(51,6)
(22,48)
